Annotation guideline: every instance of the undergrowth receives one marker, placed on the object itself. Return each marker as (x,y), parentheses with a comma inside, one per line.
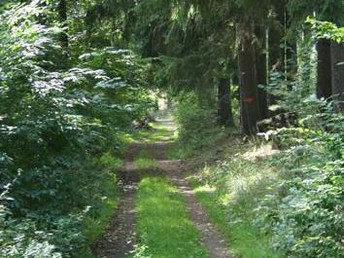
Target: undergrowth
(61,126)
(230,190)
(273,203)
(197,126)
(286,203)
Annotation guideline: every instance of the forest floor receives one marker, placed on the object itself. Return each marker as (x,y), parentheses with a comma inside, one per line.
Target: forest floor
(131,234)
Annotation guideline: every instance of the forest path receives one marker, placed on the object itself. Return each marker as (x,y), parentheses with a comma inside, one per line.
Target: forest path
(119,241)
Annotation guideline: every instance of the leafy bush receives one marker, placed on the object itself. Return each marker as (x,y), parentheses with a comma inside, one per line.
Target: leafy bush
(197,125)
(20,238)
(305,212)
(59,133)
(308,219)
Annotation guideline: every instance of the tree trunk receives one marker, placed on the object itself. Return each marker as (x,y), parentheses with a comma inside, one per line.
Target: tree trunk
(248,82)
(290,64)
(337,57)
(42,17)
(62,12)
(324,69)
(275,59)
(224,103)
(261,69)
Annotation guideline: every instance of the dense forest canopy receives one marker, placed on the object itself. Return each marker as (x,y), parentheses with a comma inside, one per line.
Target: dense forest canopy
(76,77)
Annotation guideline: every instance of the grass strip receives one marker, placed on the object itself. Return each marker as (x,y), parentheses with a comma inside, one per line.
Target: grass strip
(164,227)
(145,163)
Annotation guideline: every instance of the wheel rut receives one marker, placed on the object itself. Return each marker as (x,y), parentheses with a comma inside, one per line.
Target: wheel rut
(119,241)
(216,245)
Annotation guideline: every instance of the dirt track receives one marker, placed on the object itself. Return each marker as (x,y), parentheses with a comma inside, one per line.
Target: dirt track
(119,240)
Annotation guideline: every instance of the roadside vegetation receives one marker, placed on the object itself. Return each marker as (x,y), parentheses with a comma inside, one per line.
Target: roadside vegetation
(60,144)
(231,189)
(268,200)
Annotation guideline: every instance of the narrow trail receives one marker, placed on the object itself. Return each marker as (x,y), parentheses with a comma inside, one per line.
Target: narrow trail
(214,242)
(119,240)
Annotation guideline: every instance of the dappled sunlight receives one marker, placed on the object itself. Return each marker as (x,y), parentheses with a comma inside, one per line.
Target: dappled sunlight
(231,188)
(261,151)
(205,189)
(103,101)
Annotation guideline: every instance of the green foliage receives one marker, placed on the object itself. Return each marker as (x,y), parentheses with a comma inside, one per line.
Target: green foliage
(304,213)
(59,132)
(231,189)
(197,125)
(145,163)
(325,10)
(21,238)
(297,94)
(108,161)
(309,219)
(325,29)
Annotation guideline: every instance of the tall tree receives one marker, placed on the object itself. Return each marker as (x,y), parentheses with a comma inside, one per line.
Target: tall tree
(261,70)
(224,102)
(248,82)
(337,57)
(63,19)
(324,70)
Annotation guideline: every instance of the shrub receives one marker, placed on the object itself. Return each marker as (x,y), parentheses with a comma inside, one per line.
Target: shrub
(59,127)
(197,125)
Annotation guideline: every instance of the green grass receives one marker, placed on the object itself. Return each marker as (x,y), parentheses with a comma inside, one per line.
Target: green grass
(173,151)
(145,163)
(164,228)
(110,162)
(95,227)
(95,222)
(230,192)
(244,238)
(158,131)
(155,134)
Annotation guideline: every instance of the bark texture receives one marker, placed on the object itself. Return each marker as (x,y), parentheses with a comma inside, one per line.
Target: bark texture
(324,71)
(224,103)
(261,70)
(248,82)
(64,40)
(337,56)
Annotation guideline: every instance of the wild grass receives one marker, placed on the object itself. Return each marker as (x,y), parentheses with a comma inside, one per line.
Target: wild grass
(145,163)
(98,216)
(230,191)
(94,227)
(157,132)
(164,229)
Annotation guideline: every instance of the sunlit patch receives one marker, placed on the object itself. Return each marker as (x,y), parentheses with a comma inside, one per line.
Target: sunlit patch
(145,163)
(260,152)
(225,199)
(205,189)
